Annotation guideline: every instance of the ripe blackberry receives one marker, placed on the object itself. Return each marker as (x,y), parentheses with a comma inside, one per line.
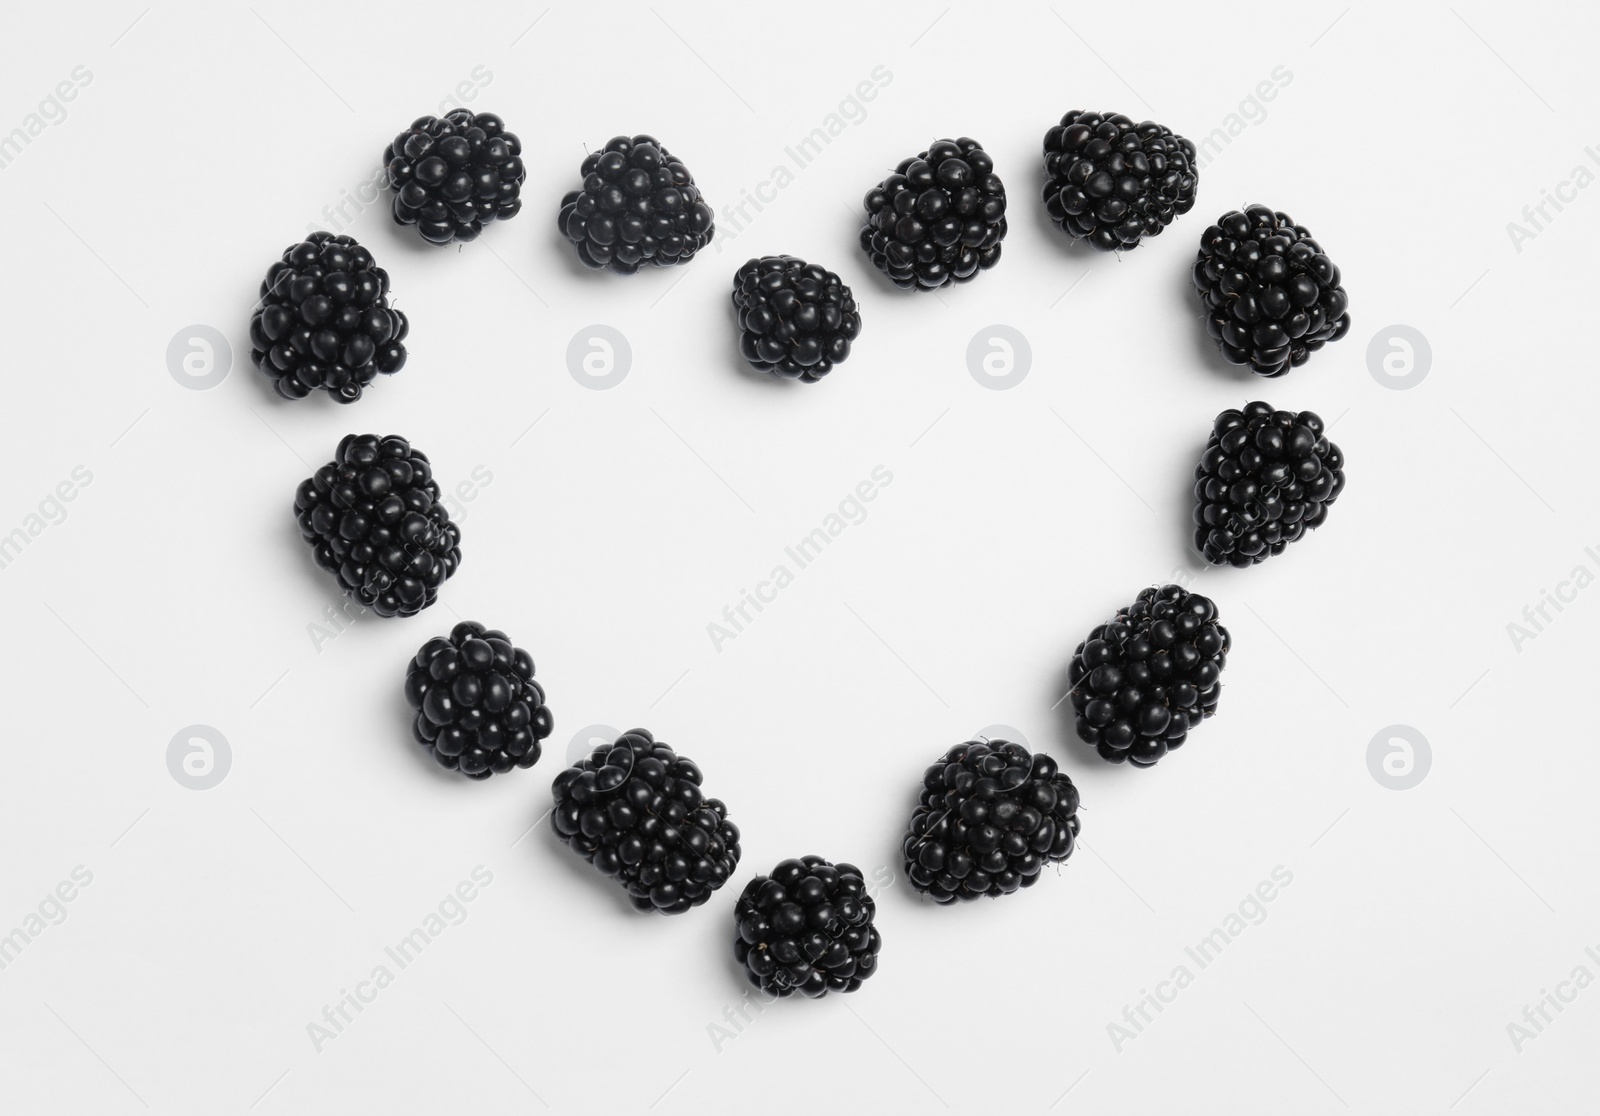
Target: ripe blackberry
(638,206)
(1113,182)
(451,177)
(372,516)
(323,320)
(479,711)
(635,811)
(1272,296)
(938,219)
(1265,478)
(807,928)
(990,817)
(796,320)
(1141,682)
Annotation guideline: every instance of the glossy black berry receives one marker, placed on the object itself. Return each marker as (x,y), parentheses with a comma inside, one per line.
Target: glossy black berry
(938,219)
(372,517)
(807,928)
(1271,294)
(1266,478)
(634,809)
(796,320)
(454,175)
(990,818)
(479,711)
(638,207)
(324,321)
(1142,681)
(1112,182)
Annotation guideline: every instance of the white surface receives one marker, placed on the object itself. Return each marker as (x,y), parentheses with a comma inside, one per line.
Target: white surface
(176,592)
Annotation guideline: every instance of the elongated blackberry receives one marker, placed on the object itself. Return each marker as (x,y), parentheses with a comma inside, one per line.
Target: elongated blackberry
(990,818)
(451,177)
(1271,294)
(324,320)
(372,517)
(938,219)
(1265,478)
(1142,681)
(479,710)
(1112,182)
(634,809)
(638,207)
(807,928)
(796,320)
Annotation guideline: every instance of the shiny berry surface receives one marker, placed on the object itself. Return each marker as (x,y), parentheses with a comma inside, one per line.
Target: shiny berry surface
(938,219)
(1141,682)
(807,928)
(990,818)
(634,810)
(323,320)
(478,709)
(1112,182)
(1265,479)
(638,207)
(373,519)
(1271,294)
(796,320)
(454,175)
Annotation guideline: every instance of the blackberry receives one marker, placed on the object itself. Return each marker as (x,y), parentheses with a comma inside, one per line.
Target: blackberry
(991,816)
(1112,182)
(373,518)
(1141,682)
(938,219)
(451,177)
(324,321)
(638,206)
(807,928)
(796,320)
(479,711)
(1265,478)
(1272,296)
(635,811)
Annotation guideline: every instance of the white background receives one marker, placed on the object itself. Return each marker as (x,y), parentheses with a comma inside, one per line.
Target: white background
(1418,923)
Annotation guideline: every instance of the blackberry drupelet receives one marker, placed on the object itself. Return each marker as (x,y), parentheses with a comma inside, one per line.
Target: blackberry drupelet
(807,928)
(635,811)
(1112,182)
(373,518)
(1272,296)
(1265,478)
(1141,682)
(451,177)
(479,710)
(938,219)
(796,320)
(638,207)
(324,321)
(991,816)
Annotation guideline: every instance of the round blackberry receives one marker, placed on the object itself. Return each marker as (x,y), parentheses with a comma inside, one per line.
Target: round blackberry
(635,811)
(1141,682)
(1112,182)
(1272,296)
(479,711)
(938,219)
(638,206)
(1265,478)
(796,320)
(807,928)
(373,518)
(324,321)
(451,177)
(990,817)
